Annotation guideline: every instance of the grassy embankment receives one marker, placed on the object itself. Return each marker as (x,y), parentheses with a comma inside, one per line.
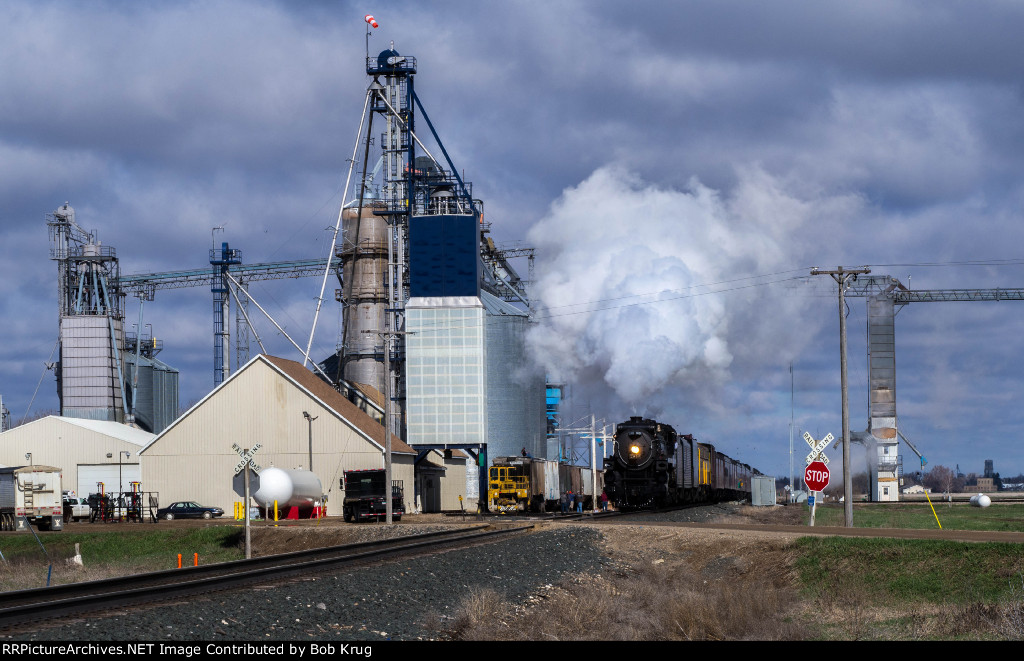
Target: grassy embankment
(815,588)
(111,553)
(908,589)
(960,516)
(917,588)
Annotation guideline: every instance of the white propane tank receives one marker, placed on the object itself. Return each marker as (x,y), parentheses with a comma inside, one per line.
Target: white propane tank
(981,500)
(289,487)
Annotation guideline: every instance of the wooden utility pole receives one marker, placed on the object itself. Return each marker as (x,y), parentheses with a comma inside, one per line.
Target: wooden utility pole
(842,275)
(388,336)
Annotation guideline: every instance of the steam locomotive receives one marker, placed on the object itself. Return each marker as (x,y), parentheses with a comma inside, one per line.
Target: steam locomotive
(654,466)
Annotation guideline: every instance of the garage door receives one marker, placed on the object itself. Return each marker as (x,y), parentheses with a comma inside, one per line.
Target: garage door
(90,474)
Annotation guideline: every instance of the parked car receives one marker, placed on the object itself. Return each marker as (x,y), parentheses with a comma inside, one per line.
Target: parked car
(187,510)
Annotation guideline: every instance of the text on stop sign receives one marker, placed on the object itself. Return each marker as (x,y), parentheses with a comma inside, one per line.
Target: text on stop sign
(816,476)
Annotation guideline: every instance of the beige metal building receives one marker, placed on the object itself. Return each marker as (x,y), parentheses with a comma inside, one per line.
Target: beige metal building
(88,452)
(440,482)
(299,421)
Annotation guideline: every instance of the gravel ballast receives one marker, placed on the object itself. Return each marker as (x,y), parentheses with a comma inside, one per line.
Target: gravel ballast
(409,599)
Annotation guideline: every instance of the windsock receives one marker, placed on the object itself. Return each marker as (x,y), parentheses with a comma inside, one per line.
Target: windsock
(369,19)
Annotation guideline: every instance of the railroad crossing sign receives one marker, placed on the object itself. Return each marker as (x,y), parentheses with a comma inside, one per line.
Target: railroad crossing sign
(245,464)
(247,458)
(816,476)
(817,448)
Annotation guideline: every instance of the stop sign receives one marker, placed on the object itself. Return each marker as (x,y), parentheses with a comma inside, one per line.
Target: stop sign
(816,476)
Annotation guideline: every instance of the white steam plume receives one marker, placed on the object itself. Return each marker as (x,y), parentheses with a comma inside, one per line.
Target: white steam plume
(620,262)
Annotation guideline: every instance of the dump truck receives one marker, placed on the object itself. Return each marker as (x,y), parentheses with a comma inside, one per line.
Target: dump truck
(31,495)
(365,496)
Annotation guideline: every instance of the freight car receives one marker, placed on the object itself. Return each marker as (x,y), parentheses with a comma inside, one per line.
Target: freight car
(654,466)
(526,484)
(522,483)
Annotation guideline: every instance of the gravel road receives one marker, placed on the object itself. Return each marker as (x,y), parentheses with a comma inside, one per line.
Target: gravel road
(401,600)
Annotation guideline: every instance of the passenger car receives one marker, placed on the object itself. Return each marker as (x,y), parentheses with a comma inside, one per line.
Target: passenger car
(187,510)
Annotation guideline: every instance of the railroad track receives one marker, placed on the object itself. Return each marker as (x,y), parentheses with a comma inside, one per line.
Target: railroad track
(75,599)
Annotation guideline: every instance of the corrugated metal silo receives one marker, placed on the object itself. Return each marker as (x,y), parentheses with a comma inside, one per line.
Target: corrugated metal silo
(516,403)
(156,398)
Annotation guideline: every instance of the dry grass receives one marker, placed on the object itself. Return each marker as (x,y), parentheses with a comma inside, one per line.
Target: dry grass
(21,574)
(1010,616)
(665,592)
(907,622)
(679,585)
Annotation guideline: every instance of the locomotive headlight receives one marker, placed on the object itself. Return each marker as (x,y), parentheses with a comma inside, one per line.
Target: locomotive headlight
(634,449)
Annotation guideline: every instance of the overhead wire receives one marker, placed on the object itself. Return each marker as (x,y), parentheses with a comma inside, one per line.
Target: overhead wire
(46,368)
(598,305)
(683,293)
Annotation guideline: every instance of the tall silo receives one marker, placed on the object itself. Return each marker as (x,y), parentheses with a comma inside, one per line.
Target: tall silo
(153,393)
(364,257)
(516,417)
(89,371)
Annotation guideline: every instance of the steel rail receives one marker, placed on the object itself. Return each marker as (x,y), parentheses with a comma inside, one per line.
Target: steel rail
(57,601)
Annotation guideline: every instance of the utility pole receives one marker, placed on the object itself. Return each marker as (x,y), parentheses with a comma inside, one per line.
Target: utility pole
(388,336)
(593,461)
(792,392)
(842,275)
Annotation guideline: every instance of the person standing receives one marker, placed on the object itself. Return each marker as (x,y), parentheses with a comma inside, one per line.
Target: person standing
(604,501)
(572,501)
(564,502)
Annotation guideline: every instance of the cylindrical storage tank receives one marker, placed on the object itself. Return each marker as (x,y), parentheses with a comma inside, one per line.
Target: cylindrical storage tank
(981,500)
(364,256)
(288,487)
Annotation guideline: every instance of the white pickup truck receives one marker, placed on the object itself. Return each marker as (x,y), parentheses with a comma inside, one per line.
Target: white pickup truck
(75,508)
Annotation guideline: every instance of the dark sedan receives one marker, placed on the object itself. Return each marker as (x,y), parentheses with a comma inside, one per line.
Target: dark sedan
(187,510)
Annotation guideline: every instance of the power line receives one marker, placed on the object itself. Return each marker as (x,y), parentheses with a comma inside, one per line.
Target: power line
(979,262)
(441,326)
(661,300)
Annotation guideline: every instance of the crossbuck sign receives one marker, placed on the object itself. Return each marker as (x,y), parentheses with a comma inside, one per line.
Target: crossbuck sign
(247,458)
(817,448)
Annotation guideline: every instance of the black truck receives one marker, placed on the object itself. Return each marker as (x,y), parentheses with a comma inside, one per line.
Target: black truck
(365,498)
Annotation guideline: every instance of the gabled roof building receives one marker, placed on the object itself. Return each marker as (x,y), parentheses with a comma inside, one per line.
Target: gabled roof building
(299,422)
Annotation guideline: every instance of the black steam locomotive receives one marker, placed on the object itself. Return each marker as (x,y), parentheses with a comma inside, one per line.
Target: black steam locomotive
(653,466)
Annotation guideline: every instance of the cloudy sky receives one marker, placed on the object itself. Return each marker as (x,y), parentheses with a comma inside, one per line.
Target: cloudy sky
(679,167)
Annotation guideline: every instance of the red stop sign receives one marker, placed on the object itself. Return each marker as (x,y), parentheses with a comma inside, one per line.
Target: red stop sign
(816,476)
